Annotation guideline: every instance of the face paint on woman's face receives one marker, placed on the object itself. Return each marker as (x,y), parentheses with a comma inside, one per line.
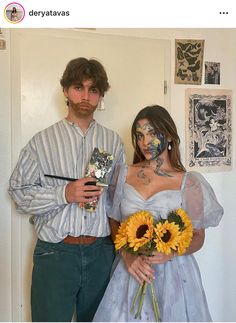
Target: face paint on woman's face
(157,145)
(155,142)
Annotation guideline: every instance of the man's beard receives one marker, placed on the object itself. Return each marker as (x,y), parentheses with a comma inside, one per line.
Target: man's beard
(83,108)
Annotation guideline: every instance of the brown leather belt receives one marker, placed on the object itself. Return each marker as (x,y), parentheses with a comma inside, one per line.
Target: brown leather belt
(79,240)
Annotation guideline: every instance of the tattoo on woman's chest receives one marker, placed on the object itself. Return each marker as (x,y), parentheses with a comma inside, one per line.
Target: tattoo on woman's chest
(145,179)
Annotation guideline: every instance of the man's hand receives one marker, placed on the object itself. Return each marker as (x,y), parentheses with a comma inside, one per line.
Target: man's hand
(78,191)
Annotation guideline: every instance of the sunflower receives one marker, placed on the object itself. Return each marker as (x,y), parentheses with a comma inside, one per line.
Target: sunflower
(185,240)
(139,229)
(168,235)
(121,236)
(184,217)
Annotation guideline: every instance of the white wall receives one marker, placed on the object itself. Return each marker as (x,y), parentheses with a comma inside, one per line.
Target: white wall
(217,259)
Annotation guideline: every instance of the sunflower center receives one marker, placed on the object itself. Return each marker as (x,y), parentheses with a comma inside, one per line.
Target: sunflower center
(141,231)
(166,236)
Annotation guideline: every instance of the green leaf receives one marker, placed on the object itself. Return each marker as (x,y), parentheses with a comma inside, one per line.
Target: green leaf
(174,217)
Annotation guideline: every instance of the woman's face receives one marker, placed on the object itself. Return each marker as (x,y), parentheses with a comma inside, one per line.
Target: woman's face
(150,142)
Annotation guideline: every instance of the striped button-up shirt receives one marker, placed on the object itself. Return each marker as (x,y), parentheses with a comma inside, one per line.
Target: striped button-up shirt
(64,150)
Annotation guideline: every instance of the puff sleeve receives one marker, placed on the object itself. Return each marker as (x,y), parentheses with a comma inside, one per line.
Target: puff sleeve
(116,191)
(200,202)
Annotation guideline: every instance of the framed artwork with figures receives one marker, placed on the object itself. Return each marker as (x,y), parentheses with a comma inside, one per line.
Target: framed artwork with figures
(208,130)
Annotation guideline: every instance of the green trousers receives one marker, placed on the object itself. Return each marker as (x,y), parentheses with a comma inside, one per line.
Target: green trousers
(68,277)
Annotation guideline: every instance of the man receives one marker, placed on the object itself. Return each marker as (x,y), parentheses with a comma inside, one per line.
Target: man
(74,251)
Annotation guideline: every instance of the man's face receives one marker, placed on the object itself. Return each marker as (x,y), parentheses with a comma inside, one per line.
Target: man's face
(83,98)
(150,142)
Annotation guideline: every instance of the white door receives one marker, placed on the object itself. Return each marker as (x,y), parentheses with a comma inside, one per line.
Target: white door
(136,68)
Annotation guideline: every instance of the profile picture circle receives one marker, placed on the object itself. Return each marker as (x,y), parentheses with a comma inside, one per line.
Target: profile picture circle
(14,12)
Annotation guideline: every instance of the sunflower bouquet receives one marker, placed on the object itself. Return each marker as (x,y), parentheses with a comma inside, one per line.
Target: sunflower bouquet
(141,235)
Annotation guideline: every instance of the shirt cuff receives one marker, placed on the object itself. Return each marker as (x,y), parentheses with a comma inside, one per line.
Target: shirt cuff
(60,195)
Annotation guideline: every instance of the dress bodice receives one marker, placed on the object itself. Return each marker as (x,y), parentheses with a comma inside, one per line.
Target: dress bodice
(159,204)
(195,196)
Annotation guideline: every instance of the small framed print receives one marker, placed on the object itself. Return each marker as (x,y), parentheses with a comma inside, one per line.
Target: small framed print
(212,73)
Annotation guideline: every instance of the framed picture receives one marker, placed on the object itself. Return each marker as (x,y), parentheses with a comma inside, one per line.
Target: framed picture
(208,130)
(212,73)
(188,61)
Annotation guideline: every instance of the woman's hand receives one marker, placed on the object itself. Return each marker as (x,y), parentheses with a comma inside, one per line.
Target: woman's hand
(159,258)
(138,267)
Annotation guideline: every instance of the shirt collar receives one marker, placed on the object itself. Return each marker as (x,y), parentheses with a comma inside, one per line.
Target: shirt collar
(91,125)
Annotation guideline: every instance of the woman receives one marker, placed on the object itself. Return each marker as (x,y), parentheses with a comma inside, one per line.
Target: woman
(158,182)
(14,15)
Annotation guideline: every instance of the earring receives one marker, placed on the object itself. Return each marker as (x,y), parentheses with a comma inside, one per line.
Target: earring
(169,147)
(101,105)
(66,100)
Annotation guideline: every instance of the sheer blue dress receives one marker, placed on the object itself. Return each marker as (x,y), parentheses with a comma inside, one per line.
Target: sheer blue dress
(178,283)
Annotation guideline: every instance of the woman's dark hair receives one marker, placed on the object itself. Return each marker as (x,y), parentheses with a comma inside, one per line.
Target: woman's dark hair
(81,69)
(162,122)
(13,9)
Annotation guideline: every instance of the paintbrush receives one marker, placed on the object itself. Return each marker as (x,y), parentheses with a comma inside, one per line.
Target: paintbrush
(74,179)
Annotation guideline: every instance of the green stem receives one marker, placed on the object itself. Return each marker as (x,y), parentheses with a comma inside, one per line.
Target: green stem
(144,289)
(155,304)
(136,298)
